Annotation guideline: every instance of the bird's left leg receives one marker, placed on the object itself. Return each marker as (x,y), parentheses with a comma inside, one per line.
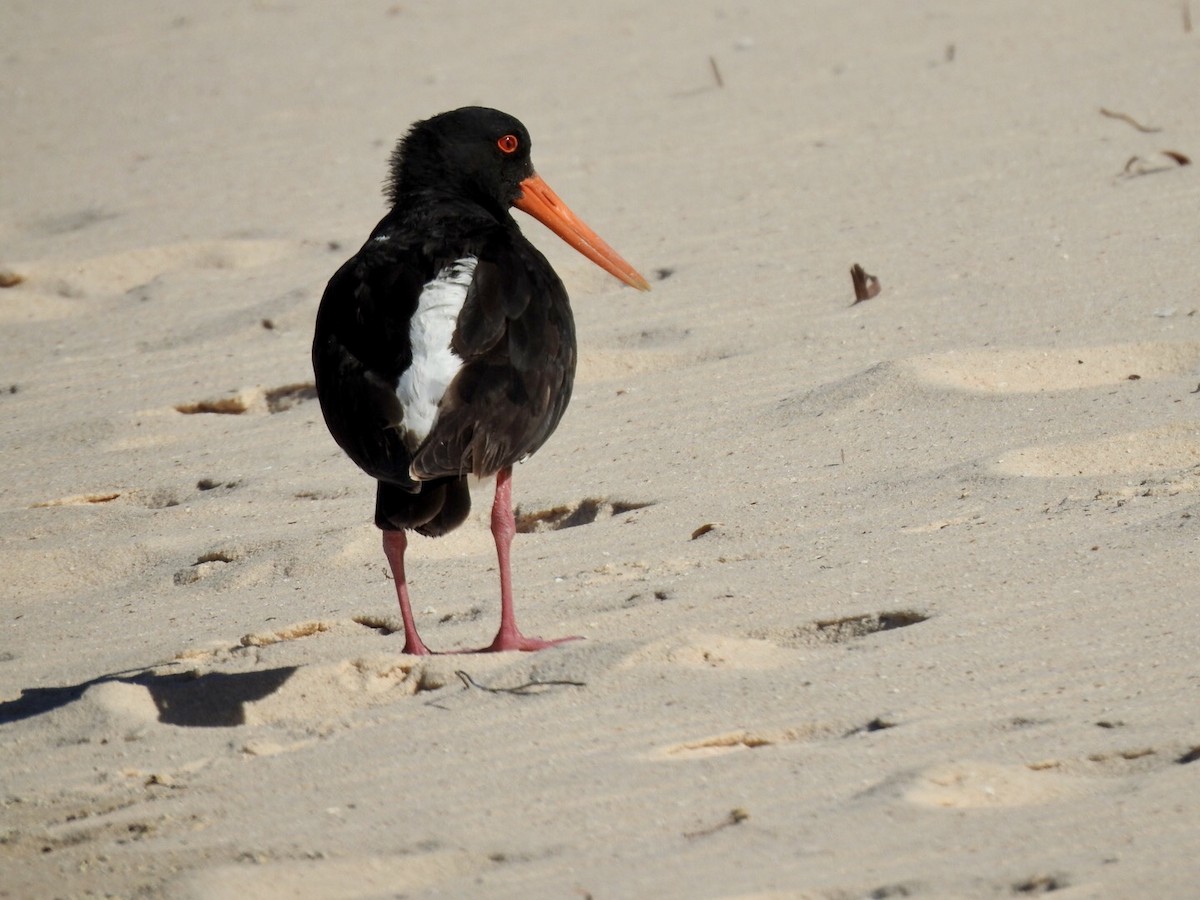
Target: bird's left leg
(395,542)
(504,526)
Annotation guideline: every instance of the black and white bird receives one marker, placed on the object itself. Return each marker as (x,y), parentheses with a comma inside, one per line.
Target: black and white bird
(446,347)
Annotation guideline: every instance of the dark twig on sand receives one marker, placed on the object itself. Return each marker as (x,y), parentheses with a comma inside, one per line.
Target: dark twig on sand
(522,690)
(712,61)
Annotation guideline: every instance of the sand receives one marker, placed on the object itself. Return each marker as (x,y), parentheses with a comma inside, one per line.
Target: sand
(895,598)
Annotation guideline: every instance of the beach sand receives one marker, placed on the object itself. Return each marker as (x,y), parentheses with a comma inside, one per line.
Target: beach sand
(880,599)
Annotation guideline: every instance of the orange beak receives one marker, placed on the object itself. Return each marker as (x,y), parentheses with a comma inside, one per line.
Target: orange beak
(544,205)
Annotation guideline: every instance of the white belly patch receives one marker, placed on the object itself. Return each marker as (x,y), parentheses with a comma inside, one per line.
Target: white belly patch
(434,364)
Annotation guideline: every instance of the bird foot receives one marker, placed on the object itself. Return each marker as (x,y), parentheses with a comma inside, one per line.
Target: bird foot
(503,642)
(416,648)
(514,640)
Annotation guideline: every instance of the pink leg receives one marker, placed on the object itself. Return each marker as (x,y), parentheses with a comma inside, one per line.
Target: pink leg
(504,527)
(394,545)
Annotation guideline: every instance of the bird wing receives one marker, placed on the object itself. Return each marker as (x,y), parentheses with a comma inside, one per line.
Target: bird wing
(516,339)
(360,348)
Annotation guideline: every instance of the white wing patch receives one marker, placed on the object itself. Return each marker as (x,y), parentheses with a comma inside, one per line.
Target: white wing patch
(434,364)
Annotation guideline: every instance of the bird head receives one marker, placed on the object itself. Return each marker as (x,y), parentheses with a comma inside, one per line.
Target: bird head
(483,155)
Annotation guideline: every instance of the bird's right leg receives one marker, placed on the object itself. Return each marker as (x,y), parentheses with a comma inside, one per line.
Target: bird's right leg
(394,545)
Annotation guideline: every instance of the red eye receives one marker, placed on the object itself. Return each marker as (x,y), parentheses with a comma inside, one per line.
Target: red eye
(508,144)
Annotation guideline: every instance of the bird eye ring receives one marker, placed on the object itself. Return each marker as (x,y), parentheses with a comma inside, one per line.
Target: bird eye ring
(508,144)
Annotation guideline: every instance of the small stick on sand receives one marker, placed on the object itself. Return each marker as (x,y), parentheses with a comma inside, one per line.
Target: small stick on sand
(1145,129)
(735,817)
(522,690)
(712,61)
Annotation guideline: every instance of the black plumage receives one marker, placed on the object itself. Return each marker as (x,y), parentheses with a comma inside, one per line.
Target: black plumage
(453,181)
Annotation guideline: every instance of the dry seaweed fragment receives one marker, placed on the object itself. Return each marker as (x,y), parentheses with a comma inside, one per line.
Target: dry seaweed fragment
(1136,165)
(865,286)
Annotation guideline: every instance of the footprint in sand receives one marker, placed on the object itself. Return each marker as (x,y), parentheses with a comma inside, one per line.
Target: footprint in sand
(973,785)
(842,628)
(1167,448)
(56,288)
(74,820)
(237,566)
(1173,447)
(1026,370)
(638,353)
(599,364)
(332,879)
(1022,370)
(712,651)
(777,648)
(1167,456)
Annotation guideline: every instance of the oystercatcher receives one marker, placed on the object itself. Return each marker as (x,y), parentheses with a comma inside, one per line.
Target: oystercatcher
(445,347)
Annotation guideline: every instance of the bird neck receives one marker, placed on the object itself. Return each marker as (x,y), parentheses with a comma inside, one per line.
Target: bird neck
(468,208)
